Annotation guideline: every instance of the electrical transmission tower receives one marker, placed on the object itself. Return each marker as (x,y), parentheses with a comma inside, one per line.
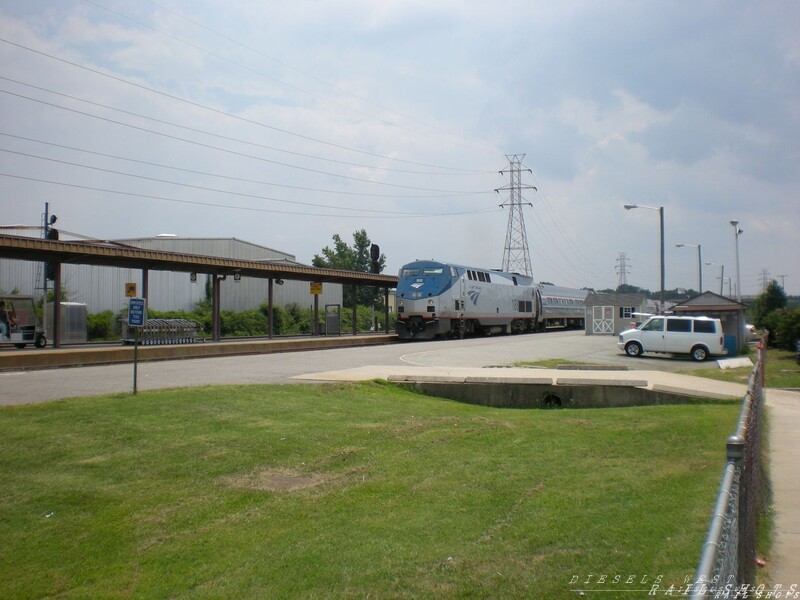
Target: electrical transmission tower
(764,279)
(516,255)
(622,269)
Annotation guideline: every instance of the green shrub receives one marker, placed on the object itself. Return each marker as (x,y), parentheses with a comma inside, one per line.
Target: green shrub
(298,319)
(364,319)
(278,318)
(292,320)
(245,323)
(100,326)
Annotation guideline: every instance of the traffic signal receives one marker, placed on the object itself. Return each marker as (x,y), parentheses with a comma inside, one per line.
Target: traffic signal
(375,257)
(50,268)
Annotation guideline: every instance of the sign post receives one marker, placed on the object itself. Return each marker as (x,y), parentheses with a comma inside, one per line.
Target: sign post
(137,315)
(316,290)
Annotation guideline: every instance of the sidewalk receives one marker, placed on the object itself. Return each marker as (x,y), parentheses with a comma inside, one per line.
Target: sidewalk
(784,459)
(783,567)
(652,380)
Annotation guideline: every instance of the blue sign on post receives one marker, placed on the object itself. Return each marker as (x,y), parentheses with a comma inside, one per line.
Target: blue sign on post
(137,314)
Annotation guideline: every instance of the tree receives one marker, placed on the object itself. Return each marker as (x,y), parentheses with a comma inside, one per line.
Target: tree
(784,328)
(351,258)
(625,288)
(774,298)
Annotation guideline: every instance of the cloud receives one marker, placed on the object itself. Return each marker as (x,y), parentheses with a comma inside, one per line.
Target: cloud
(689,106)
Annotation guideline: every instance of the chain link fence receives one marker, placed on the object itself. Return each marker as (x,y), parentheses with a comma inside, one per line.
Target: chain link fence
(728,558)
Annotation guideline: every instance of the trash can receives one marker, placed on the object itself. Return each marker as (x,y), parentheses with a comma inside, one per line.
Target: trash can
(333,319)
(731,345)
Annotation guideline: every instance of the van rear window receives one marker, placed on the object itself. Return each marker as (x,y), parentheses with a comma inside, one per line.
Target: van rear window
(684,325)
(704,327)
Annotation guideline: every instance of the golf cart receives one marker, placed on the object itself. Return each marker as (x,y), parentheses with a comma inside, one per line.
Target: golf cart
(19,324)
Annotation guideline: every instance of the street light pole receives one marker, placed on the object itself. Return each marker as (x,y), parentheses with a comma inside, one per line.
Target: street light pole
(721,275)
(660,210)
(699,263)
(736,233)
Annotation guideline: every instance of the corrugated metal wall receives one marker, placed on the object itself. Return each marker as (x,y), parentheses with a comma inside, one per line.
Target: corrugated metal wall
(23,277)
(103,288)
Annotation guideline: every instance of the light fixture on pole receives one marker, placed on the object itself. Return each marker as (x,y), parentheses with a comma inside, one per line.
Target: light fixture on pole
(699,263)
(736,233)
(721,275)
(660,210)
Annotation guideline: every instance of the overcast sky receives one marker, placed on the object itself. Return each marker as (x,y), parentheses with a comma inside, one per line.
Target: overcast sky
(283,123)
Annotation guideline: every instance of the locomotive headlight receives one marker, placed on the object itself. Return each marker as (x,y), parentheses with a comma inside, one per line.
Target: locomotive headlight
(430,302)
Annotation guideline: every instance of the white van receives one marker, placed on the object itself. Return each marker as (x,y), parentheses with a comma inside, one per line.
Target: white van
(699,337)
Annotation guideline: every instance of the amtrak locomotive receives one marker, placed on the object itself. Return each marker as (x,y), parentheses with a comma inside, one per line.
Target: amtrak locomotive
(440,299)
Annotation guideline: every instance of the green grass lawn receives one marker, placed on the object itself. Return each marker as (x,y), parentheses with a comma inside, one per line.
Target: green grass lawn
(782,371)
(352,491)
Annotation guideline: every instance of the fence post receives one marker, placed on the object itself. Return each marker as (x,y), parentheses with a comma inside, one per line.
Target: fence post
(735,447)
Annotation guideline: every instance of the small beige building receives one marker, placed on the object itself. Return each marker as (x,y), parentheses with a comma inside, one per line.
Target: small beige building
(611,314)
(730,312)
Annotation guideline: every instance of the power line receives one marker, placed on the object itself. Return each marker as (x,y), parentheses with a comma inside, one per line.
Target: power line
(200,187)
(245,208)
(282,64)
(217,111)
(218,175)
(209,146)
(564,236)
(577,269)
(229,138)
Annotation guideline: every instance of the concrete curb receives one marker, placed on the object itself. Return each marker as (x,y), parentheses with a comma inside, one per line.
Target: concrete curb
(81,357)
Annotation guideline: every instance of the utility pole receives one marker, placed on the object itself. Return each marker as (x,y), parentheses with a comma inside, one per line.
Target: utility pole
(783,281)
(660,210)
(622,269)
(736,233)
(45,226)
(516,254)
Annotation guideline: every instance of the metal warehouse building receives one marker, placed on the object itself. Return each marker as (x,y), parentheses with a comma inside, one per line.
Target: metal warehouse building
(103,288)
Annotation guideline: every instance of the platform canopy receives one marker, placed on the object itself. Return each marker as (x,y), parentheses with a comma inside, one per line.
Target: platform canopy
(114,254)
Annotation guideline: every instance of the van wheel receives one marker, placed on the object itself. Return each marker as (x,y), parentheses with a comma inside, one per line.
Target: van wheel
(634,349)
(699,353)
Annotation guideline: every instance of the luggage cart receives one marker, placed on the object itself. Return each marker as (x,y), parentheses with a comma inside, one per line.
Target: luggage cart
(158,332)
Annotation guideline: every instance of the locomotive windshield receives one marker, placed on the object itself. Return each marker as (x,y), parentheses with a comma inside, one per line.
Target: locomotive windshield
(425,279)
(415,272)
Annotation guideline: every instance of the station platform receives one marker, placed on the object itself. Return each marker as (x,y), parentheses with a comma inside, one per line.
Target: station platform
(85,355)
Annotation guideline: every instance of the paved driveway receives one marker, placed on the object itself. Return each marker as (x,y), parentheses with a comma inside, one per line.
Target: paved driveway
(40,386)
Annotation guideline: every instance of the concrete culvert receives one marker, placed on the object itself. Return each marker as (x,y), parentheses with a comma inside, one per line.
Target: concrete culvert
(550,400)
